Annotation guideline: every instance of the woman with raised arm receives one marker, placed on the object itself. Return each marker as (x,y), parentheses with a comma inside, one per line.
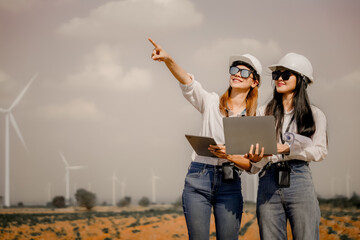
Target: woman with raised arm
(286,190)
(204,188)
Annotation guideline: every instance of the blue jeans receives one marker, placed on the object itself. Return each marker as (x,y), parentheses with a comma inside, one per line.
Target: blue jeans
(204,189)
(298,203)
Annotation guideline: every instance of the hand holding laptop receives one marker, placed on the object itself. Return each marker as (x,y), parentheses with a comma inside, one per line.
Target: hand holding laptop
(253,154)
(218,150)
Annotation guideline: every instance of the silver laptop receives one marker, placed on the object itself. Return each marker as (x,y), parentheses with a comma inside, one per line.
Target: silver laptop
(241,132)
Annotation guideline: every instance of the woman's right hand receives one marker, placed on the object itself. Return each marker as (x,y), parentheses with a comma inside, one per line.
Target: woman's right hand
(158,54)
(255,156)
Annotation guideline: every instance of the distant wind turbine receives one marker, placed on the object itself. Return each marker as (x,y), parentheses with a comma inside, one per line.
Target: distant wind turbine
(114,179)
(67,175)
(9,119)
(153,181)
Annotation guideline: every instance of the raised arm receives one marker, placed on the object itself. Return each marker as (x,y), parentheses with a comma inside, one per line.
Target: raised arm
(160,55)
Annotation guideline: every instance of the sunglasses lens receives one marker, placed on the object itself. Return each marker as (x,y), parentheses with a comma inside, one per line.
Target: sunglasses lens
(245,73)
(276,75)
(234,70)
(286,75)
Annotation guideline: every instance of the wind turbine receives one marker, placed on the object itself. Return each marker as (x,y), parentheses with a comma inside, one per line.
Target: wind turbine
(153,181)
(114,179)
(9,119)
(67,175)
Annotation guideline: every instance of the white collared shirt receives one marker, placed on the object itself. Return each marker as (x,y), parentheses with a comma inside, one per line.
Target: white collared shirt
(302,148)
(212,124)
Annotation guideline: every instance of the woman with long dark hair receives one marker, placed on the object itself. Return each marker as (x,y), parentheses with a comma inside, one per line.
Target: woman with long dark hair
(286,190)
(205,189)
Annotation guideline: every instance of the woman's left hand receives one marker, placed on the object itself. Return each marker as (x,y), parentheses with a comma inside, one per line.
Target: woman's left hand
(283,148)
(218,150)
(240,160)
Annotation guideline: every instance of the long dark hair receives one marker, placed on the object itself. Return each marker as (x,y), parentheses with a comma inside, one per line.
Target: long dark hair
(251,98)
(302,110)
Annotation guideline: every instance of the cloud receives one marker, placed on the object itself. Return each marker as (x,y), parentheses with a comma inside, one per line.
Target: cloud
(220,50)
(212,61)
(349,83)
(352,78)
(102,69)
(78,109)
(127,18)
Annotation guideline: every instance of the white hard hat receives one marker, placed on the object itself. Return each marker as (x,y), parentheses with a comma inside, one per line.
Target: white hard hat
(297,63)
(249,59)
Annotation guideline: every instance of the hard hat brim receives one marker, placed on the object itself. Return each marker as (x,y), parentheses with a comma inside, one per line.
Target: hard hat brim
(242,59)
(275,66)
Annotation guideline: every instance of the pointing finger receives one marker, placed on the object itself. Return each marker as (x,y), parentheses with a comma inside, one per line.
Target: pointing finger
(153,43)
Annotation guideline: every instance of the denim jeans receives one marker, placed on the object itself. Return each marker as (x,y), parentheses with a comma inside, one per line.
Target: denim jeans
(298,203)
(205,190)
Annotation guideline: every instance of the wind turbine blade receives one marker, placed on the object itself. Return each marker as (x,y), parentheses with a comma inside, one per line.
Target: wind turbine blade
(64,160)
(75,167)
(2,110)
(17,130)
(17,100)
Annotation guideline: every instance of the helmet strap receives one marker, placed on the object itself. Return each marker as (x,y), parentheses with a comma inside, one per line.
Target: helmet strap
(305,79)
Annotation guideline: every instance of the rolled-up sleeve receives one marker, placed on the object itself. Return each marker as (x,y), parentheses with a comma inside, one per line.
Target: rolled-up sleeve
(314,148)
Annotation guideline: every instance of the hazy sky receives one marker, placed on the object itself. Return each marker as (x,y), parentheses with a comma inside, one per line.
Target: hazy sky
(102,101)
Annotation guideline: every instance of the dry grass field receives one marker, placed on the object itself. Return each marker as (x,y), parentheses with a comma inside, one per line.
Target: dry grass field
(152,223)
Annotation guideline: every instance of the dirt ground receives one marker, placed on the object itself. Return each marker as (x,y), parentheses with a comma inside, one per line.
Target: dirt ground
(153,223)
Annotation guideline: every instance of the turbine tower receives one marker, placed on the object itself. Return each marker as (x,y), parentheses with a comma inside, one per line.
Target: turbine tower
(67,175)
(114,179)
(153,181)
(9,119)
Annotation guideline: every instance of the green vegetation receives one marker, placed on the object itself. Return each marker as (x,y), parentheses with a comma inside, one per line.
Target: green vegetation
(124,202)
(32,219)
(85,198)
(342,202)
(144,202)
(58,202)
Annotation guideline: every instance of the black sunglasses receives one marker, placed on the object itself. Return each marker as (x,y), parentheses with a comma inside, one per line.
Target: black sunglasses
(285,75)
(244,73)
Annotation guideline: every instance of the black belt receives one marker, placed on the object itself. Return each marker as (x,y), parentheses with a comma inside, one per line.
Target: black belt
(277,164)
